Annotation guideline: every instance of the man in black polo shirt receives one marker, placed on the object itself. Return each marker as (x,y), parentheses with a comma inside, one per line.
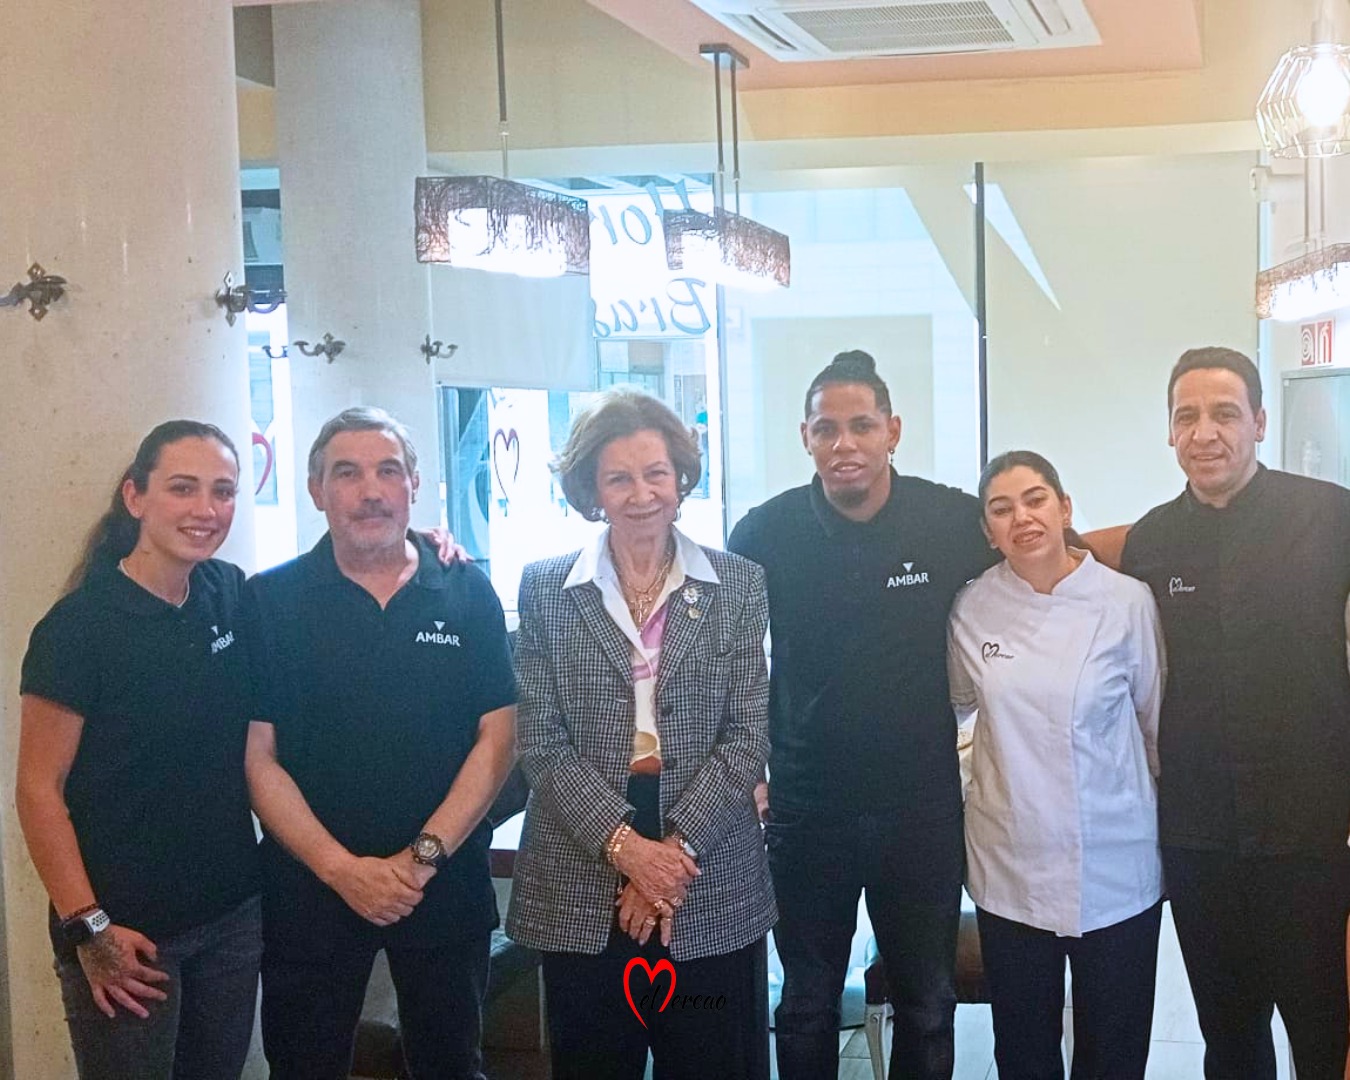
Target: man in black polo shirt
(1251,570)
(385,725)
(862,565)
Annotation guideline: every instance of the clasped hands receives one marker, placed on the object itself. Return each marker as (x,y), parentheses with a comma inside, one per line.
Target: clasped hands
(381,891)
(658,873)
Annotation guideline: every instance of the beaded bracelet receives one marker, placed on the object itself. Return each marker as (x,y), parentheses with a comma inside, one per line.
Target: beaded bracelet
(616,841)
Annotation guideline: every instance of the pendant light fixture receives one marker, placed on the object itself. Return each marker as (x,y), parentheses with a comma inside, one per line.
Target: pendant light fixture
(1304,110)
(723,246)
(496,224)
(1301,288)
(1316,282)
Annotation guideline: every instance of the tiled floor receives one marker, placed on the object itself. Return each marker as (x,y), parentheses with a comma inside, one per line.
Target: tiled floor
(1177,1051)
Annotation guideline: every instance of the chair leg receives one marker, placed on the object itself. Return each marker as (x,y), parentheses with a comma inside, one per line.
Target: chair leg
(875,1018)
(1068,1026)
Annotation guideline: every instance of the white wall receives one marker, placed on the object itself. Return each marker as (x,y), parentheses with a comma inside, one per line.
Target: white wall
(1148,257)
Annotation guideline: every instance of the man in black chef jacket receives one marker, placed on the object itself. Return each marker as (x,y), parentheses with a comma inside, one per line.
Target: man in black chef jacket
(1251,571)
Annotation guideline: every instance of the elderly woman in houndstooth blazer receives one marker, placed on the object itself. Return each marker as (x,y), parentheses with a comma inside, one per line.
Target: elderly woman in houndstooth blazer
(642,730)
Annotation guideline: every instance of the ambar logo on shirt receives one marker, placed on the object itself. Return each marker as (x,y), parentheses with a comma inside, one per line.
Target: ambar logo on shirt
(909,577)
(437,636)
(222,641)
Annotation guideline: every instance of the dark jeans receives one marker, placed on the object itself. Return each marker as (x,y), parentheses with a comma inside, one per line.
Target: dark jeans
(200,1032)
(1261,932)
(310,1008)
(912,873)
(1114,971)
(595,1035)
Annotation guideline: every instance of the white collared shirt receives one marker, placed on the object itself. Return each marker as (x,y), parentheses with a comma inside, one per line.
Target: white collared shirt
(595,563)
(1061,808)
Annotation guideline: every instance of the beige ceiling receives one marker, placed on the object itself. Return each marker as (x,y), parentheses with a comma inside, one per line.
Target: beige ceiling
(1137,36)
(590,94)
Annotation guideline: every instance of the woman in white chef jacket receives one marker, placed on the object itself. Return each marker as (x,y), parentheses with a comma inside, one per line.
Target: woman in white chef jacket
(1059,661)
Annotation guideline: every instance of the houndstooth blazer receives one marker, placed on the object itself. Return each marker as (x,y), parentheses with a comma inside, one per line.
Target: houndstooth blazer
(575,720)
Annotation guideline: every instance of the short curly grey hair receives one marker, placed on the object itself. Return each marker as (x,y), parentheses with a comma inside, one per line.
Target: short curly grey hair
(616,414)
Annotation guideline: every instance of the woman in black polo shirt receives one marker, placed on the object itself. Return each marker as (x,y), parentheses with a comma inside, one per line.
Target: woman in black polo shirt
(131,789)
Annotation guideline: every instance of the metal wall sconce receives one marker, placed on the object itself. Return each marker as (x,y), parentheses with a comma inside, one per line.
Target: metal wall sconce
(438,350)
(329,347)
(276,354)
(236,299)
(41,290)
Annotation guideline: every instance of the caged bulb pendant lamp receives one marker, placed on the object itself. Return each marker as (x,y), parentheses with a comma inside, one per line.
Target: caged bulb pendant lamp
(1317,281)
(492,223)
(725,247)
(1304,111)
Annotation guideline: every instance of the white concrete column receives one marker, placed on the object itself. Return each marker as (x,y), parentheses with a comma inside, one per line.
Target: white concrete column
(119,173)
(351,139)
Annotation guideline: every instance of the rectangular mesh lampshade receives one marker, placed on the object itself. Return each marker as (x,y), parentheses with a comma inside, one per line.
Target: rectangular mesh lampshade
(1306,286)
(727,248)
(486,223)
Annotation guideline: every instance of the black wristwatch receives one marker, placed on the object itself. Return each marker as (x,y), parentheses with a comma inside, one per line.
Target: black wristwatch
(79,928)
(428,850)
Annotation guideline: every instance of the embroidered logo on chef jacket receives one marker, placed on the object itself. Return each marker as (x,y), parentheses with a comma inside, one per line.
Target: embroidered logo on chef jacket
(909,577)
(991,651)
(1176,585)
(437,636)
(222,641)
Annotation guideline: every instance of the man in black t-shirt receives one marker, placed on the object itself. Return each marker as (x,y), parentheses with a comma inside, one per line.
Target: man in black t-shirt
(385,725)
(862,565)
(1251,571)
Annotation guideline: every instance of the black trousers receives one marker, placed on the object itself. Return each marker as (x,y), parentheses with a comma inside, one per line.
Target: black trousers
(1114,971)
(310,1008)
(911,871)
(1256,933)
(715,1025)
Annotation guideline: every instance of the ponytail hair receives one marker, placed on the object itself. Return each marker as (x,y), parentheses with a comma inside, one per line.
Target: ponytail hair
(114,536)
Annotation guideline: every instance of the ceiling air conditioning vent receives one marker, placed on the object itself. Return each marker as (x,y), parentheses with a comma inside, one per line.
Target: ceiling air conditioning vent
(758,30)
(859,29)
